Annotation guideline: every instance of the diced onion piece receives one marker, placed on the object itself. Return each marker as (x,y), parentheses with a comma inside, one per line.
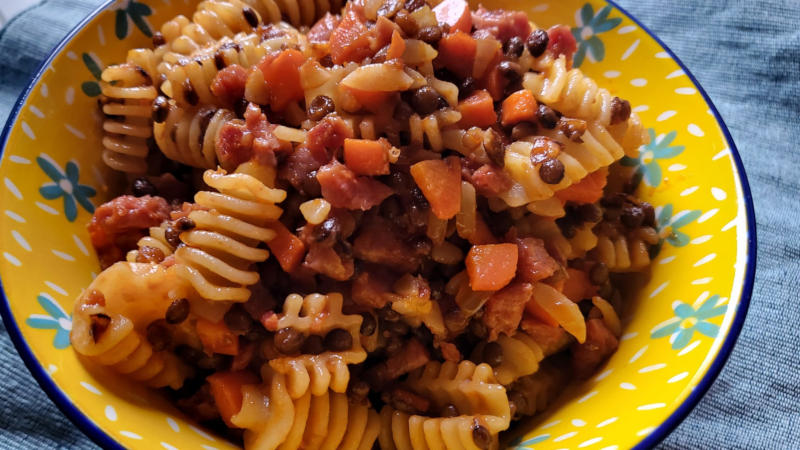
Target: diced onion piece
(484,53)
(424,17)
(378,78)
(315,211)
(418,52)
(465,219)
(313,75)
(437,228)
(610,317)
(447,253)
(289,134)
(561,309)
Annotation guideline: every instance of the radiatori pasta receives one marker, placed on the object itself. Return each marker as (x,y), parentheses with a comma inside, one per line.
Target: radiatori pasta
(377,223)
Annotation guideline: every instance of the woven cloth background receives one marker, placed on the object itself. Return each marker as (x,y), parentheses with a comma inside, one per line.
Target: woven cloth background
(746,54)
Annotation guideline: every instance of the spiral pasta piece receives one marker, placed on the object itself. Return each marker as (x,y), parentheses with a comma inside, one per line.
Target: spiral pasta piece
(128,91)
(625,253)
(318,314)
(534,393)
(521,357)
(156,239)
(574,94)
(401,431)
(189,135)
(471,388)
(110,316)
(219,252)
(272,419)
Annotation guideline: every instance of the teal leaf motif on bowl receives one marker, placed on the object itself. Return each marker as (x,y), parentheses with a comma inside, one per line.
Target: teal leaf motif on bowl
(91,88)
(55,319)
(590,25)
(669,227)
(136,12)
(647,163)
(687,320)
(66,184)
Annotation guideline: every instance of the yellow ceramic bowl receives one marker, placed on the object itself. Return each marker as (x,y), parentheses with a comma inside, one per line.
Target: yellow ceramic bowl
(675,341)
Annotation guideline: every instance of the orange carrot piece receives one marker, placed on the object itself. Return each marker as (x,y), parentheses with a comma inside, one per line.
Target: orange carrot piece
(457,53)
(588,190)
(282,76)
(372,101)
(288,249)
(350,40)
(493,80)
(397,47)
(491,267)
(477,110)
(454,13)
(518,107)
(216,337)
(440,183)
(577,285)
(226,388)
(366,157)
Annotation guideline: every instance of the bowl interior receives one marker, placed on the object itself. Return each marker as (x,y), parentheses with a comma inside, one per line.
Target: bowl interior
(683,323)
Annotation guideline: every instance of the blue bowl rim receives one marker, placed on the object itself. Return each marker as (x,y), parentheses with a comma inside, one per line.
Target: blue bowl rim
(102,438)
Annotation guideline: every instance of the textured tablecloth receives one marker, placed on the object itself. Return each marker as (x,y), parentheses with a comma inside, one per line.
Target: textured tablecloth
(746,54)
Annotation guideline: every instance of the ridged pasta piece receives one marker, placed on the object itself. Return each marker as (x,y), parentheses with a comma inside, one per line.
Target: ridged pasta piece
(220,250)
(110,318)
(273,420)
(318,314)
(471,388)
(521,357)
(189,135)
(401,431)
(597,150)
(155,239)
(128,91)
(534,393)
(574,94)
(626,253)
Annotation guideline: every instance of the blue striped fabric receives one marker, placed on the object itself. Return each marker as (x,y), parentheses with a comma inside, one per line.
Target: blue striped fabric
(747,56)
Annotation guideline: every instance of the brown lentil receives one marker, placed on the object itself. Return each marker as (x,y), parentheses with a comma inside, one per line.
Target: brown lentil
(158,39)
(313,345)
(413,5)
(142,186)
(425,100)
(190,93)
(160,109)
(250,16)
(177,311)
(368,325)
(288,340)
(537,42)
(599,274)
(589,213)
(649,214)
(493,144)
(466,87)
(552,171)
(573,129)
(449,411)
(493,354)
(99,324)
(509,69)
(172,236)
(632,215)
(513,47)
(338,340)
(431,34)
(406,23)
(158,335)
(481,436)
(620,110)
(184,223)
(147,254)
(237,320)
(321,106)
(547,117)
(522,130)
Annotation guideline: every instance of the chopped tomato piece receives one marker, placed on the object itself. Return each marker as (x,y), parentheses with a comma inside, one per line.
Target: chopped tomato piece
(457,53)
(226,388)
(491,267)
(454,13)
(350,40)
(518,107)
(282,76)
(367,157)
(440,183)
(588,190)
(288,249)
(216,337)
(477,110)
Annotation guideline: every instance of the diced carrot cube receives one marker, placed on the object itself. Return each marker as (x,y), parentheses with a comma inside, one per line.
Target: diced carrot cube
(366,157)
(477,110)
(217,337)
(491,267)
(288,249)
(517,107)
(440,183)
(226,388)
